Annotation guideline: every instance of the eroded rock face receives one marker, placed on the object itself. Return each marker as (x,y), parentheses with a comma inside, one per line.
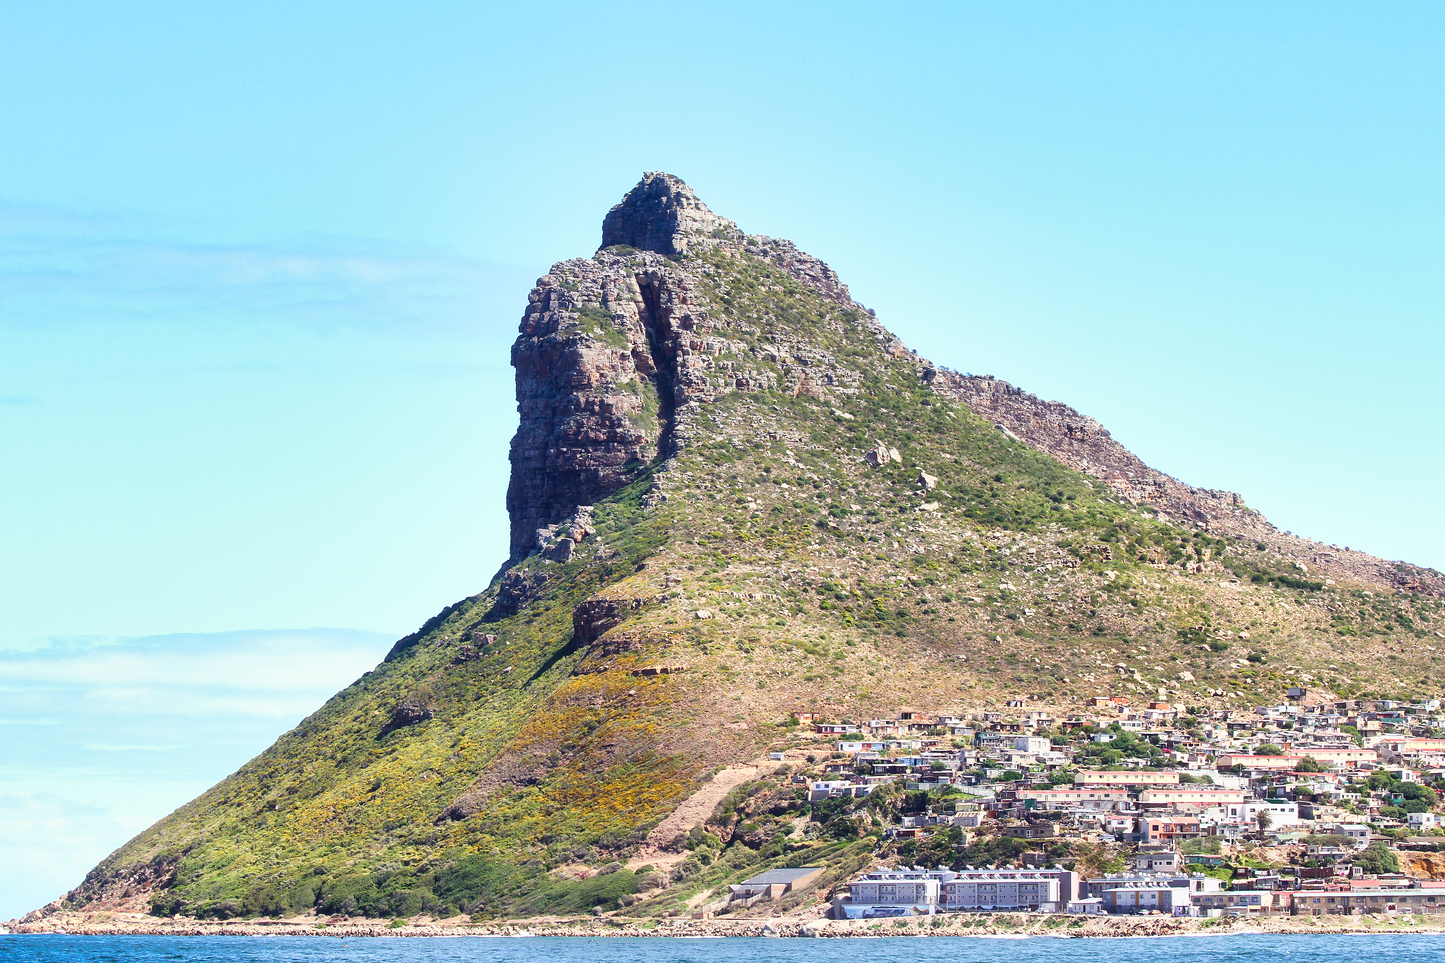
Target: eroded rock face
(596,615)
(517,588)
(662,214)
(614,348)
(601,370)
(409,712)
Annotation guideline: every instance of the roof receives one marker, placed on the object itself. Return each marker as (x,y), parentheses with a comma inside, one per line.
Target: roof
(775,876)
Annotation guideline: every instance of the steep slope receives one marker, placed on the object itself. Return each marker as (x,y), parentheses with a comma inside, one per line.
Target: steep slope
(735,497)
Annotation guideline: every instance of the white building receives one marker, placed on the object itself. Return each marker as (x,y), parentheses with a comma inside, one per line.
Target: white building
(917,891)
(1169,861)
(838,790)
(1014,890)
(1187,882)
(893,892)
(1282,814)
(1423,821)
(1358,832)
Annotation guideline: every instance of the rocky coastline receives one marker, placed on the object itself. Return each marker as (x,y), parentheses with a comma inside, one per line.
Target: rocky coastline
(994,925)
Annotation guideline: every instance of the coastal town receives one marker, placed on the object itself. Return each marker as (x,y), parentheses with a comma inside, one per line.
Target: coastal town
(1303,808)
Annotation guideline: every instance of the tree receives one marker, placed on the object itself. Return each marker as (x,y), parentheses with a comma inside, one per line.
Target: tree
(1413,790)
(1381,780)
(1378,859)
(1418,798)
(1269,749)
(1264,819)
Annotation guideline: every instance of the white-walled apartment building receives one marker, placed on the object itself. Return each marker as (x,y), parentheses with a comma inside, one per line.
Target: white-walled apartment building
(1189,797)
(1281,813)
(1010,889)
(915,889)
(1078,797)
(1349,758)
(921,891)
(1125,779)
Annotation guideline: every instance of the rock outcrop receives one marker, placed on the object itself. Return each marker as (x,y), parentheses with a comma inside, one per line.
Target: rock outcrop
(409,712)
(613,349)
(662,214)
(597,615)
(603,364)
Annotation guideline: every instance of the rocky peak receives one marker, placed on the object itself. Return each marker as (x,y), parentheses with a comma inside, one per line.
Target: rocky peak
(662,214)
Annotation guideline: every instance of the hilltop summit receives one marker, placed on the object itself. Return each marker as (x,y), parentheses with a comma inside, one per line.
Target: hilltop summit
(662,215)
(739,502)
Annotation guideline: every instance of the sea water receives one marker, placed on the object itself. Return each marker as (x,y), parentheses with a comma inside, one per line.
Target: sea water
(1404,948)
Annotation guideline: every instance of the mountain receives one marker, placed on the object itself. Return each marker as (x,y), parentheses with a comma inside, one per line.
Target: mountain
(735,499)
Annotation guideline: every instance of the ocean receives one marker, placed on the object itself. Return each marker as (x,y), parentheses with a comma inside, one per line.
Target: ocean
(933,949)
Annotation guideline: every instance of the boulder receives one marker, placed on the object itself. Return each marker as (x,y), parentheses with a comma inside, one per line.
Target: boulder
(880,454)
(409,712)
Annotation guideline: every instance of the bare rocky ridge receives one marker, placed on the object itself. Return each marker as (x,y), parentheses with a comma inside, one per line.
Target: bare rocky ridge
(663,215)
(1082,443)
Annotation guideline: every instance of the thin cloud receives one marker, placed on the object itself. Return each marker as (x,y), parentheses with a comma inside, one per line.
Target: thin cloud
(119,732)
(53,839)
(101,747)
(57,265)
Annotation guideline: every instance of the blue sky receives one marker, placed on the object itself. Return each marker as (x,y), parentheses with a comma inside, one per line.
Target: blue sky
(260,266)
(97,739)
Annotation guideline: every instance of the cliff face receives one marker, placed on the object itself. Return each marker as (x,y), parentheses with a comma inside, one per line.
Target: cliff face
(737,497)
(614,350)
(598,383)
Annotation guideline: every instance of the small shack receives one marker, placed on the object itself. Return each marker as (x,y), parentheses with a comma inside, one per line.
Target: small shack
(774,883)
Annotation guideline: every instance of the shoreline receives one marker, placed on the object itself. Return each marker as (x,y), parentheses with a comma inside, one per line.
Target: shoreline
(980,925)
